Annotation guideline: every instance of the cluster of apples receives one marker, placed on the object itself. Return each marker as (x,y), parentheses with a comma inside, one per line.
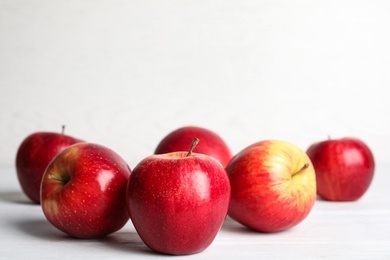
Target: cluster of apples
(179,197)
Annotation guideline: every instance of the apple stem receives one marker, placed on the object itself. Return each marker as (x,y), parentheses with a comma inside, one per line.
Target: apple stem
(63,129)
(194,143)
(304,167)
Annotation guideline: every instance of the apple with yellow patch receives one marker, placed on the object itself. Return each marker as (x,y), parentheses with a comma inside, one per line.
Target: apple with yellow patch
(273,186)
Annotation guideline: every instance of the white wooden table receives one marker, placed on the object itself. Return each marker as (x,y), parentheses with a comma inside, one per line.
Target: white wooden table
(352,230)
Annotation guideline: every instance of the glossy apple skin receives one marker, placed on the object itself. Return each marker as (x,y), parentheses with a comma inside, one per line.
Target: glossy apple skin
(83,191)
(177,203)
(344,168)
(269,193)
(211,143)
(34,154)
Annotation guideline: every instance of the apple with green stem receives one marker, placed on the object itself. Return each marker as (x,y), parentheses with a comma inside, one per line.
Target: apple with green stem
(273,186)
(34,154)
(180,139)
(83,191)
(178,201)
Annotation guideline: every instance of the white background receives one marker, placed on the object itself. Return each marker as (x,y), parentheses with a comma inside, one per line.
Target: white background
(126,73)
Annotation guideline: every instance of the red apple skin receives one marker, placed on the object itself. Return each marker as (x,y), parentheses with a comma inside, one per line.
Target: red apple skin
(34,154)
(177,203)
(344,168)
(83,191)
(273,186)
(180,139)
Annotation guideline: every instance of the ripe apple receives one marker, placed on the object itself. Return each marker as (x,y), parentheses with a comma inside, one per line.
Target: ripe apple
(272,184)
(178,201)
(33,156)
(83,191)
(344,168)
(180,139)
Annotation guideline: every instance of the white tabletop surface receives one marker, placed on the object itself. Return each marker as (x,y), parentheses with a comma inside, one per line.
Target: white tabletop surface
(352,230)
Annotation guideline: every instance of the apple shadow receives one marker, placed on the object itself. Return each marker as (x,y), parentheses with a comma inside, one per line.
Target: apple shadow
(43,230)
(233,226)
(126,241)
(39,228)
(16,197)
(230,225)
(319,198)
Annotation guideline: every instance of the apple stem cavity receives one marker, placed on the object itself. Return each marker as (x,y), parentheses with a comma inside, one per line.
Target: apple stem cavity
(64,180)
(194,143)
(304,167)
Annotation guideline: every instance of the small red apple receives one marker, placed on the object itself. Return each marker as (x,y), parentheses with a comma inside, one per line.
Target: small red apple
(272,184)
(178,201)
(180,139)
(344,168)
(83,191)
(33,156)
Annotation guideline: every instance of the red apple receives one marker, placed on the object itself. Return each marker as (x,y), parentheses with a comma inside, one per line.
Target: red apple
(33,156)
(344,168)
(180,139)
(273,186)
(83,191)
(178,201)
